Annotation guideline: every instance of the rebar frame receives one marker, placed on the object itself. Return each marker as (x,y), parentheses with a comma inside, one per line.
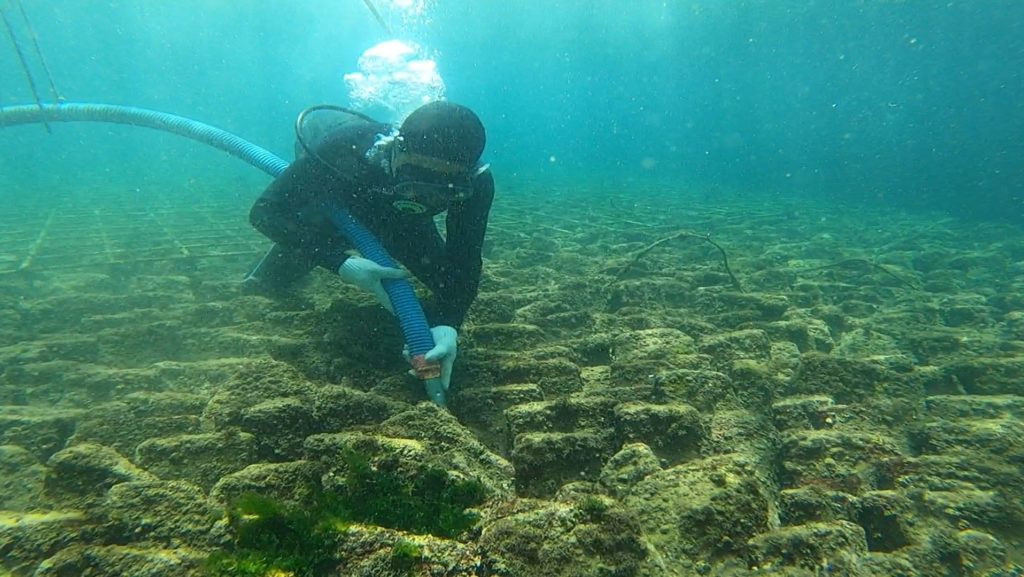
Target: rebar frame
(89,228)
(86,230)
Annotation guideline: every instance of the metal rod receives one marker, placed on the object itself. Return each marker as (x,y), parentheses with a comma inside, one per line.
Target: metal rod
(39,53)
(24,66)
(377,16)
(33,250)
(171,258)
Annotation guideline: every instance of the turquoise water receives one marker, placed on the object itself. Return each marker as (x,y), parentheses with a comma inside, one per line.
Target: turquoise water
(894,103)
(752,303)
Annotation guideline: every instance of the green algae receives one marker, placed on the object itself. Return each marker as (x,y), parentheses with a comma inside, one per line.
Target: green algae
(427,502)
(405,556)
(273,538)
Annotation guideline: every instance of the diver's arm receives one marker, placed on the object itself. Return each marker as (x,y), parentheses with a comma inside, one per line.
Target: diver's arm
(450,269)
(466,226)
(294,211)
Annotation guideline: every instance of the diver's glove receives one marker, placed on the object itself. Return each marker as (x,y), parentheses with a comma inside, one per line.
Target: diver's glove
(366,274)
(446,348)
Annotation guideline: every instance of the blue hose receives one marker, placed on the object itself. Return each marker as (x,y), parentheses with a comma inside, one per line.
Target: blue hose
(112,114)
(403,299)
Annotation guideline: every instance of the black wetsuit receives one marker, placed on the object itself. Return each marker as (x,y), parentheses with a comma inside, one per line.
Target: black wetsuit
(295,212)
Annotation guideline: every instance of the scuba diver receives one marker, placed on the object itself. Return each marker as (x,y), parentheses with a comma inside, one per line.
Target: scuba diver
(393,182)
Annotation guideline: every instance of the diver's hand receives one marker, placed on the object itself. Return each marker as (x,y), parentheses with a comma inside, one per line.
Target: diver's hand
(446,348)
(366,274)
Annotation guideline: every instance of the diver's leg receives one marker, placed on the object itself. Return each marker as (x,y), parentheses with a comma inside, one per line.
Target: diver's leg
(279,270)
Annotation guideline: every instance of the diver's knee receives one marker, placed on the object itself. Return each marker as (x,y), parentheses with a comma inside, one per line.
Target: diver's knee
(261,215)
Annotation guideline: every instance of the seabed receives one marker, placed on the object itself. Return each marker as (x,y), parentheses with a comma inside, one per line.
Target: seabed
(842,395)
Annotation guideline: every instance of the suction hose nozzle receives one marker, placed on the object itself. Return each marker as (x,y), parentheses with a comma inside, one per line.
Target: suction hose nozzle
(430,373)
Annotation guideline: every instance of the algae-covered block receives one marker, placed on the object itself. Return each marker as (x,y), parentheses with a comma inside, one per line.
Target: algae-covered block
(705,389)
(702,509)
(632,464)
(338,408)
(164,511)
(745,344)
(648,293)
(21,479)
(545,461)
(663,365)
(1015,323)
(126,432)
(252,384)
(562,415)
(962,505)
(768,306)
(121,560)
(451,446)
(492,308)
(849,461)
(809,546)
(81,474)
(28,538)
(506,336)
(805,412)
(983,553)
(809,334)
(554,376)
(970,451)
(930,344)
(965,487)
(886,517)
(554,369)
(755,382)
(135,417)
(644,372)
(293,482)
(41,431)
(56,347)
(484,404)
(741,431)
(202,459)
(329,450)
(482,409)
(871,345)
(974,406)
(407,456)
(673,431)
(565,540)
(279,426)
(814,503)
(847,380)
(652,344)
(1001,437)
(990,376)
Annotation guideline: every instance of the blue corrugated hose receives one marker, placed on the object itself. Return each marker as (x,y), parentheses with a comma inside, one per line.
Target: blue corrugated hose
(403,299)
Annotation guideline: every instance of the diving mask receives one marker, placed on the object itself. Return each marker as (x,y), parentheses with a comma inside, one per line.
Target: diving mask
(429,185)
(420,196)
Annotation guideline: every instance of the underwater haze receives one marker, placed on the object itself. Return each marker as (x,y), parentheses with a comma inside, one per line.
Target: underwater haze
(897,103)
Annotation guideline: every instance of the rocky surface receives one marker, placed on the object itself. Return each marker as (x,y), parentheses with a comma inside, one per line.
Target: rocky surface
(855,407)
